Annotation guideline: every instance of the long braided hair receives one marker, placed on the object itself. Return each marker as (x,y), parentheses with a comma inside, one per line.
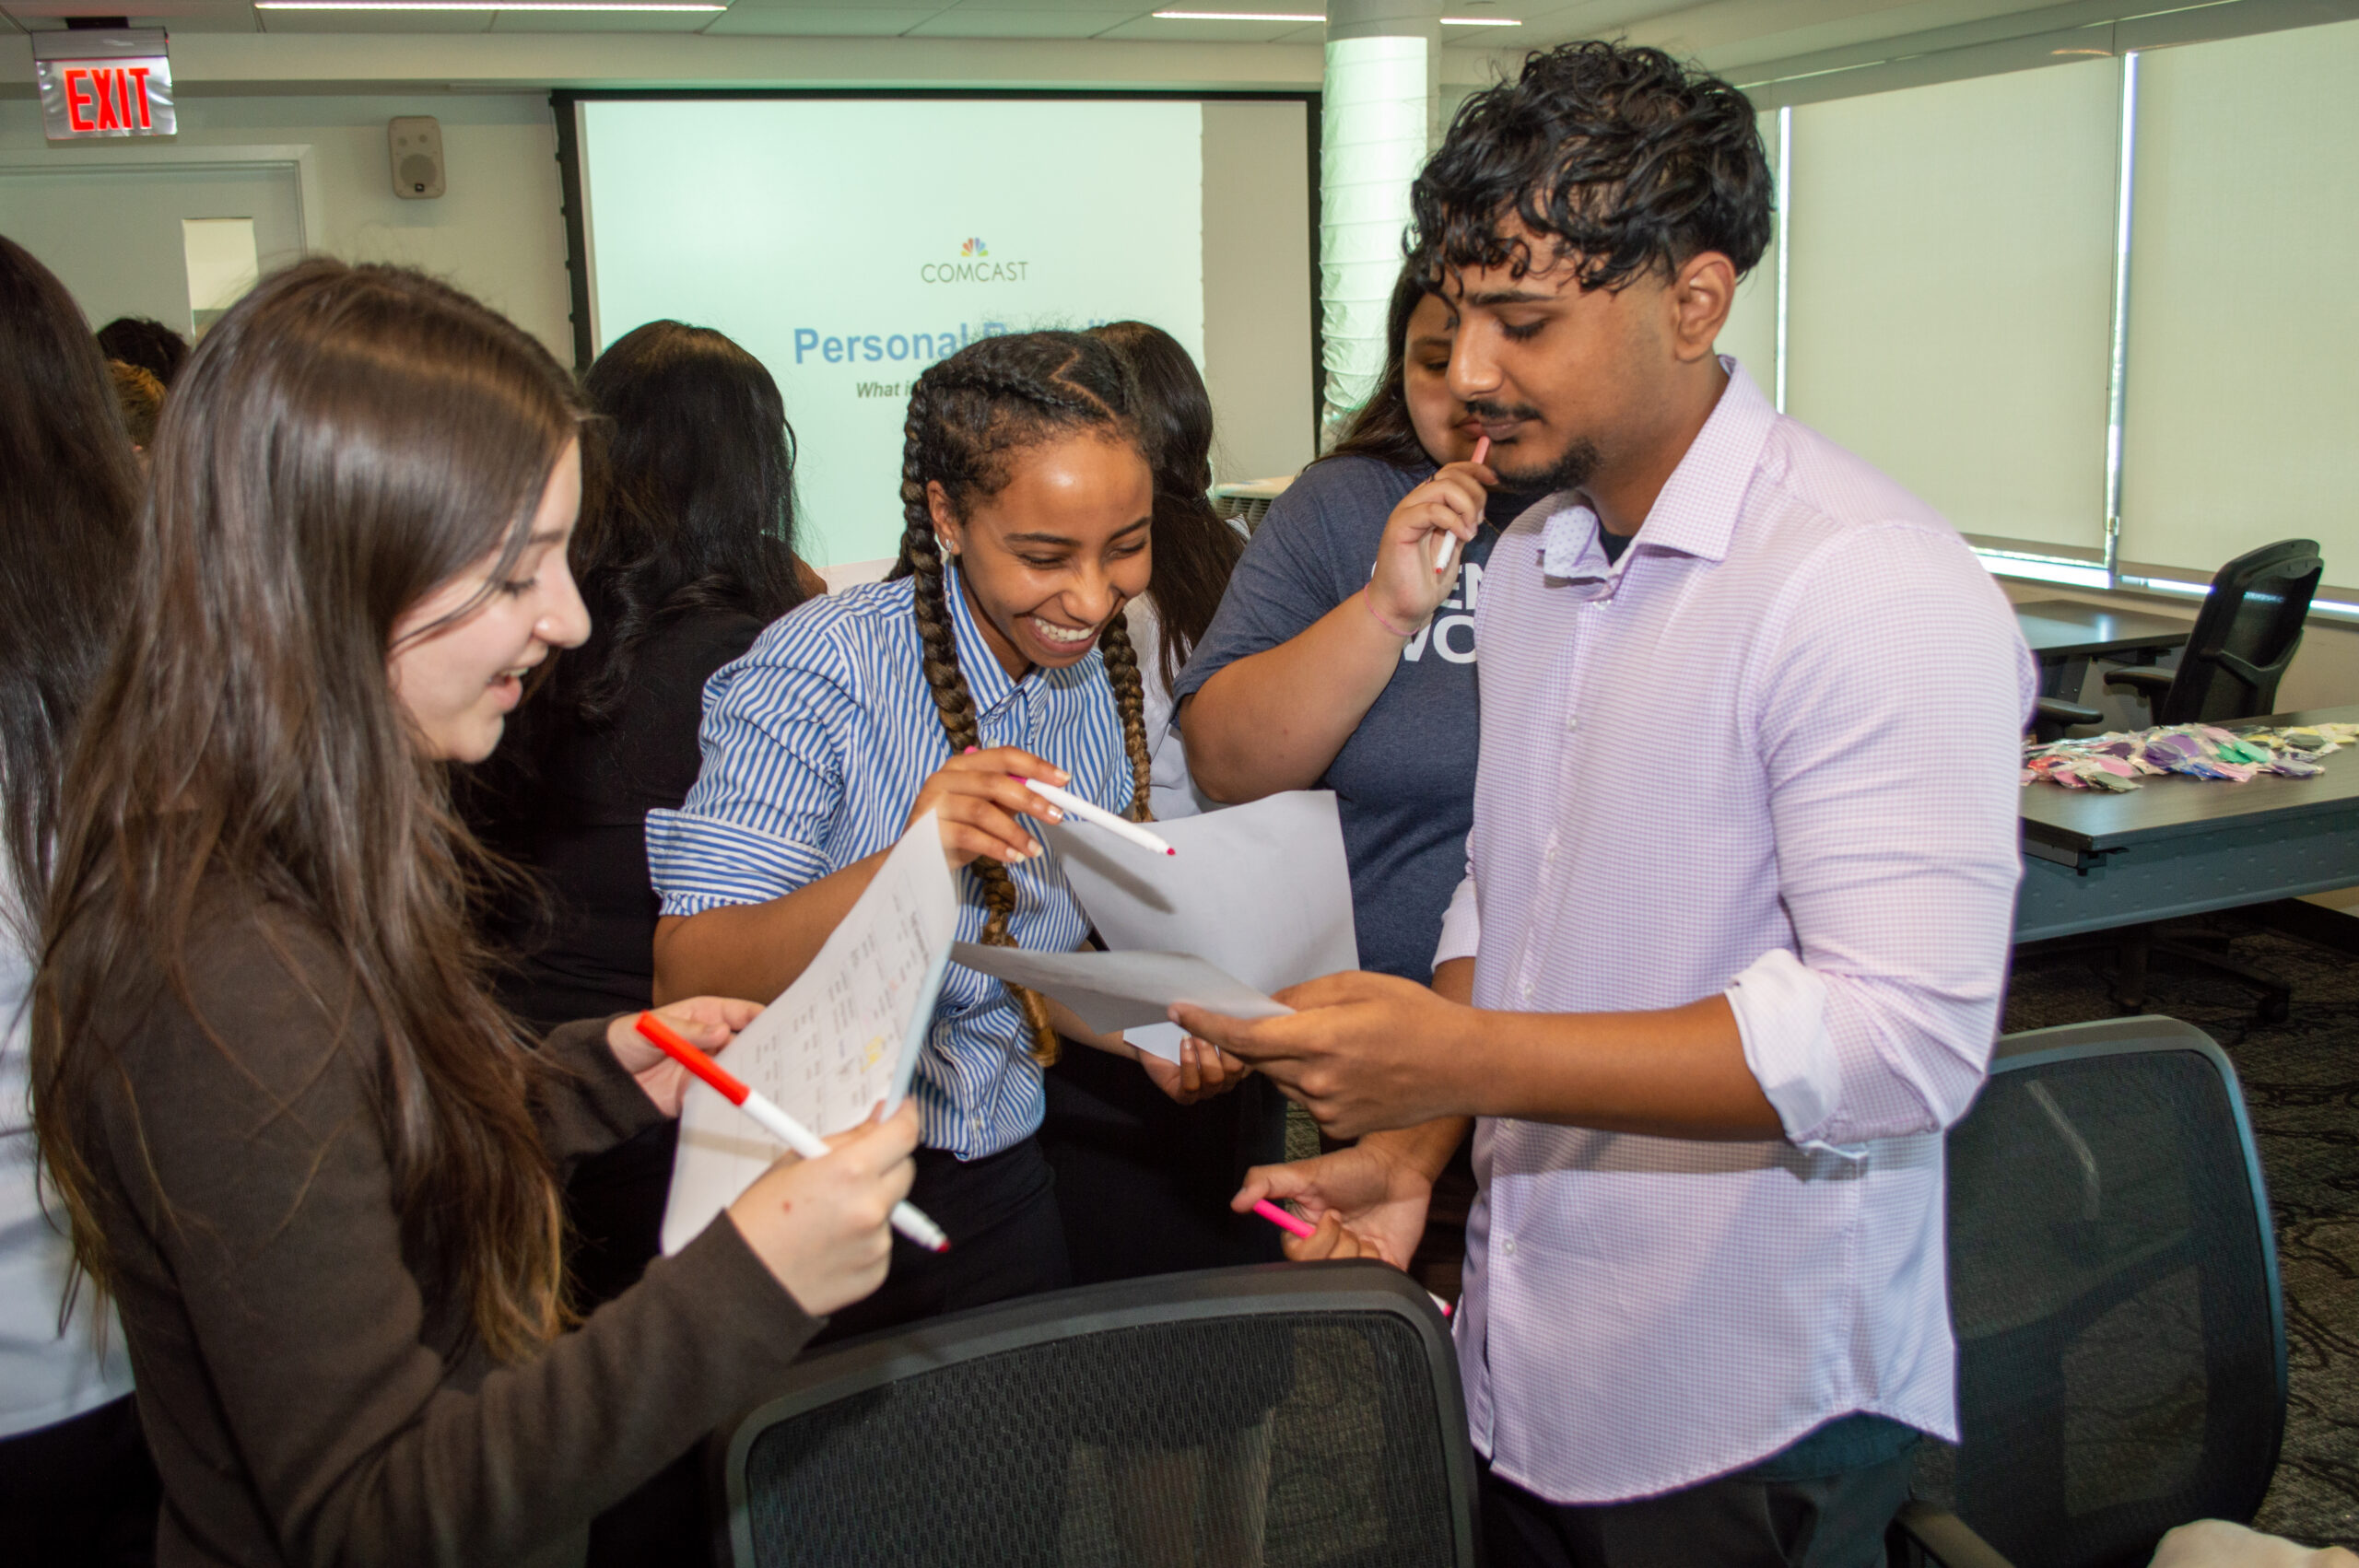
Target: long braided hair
(969,416)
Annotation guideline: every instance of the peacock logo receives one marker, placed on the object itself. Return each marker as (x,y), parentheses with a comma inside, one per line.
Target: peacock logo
(973,248)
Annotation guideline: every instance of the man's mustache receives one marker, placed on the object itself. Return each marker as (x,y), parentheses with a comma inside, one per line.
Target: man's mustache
(1482,410)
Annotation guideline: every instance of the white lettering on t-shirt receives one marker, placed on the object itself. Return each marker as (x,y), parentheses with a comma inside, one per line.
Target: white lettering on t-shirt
(1452,636)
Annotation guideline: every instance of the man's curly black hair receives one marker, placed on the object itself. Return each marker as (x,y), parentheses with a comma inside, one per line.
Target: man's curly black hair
(1630,162)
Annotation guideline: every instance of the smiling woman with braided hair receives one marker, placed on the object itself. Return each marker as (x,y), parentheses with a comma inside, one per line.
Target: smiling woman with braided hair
(997,650)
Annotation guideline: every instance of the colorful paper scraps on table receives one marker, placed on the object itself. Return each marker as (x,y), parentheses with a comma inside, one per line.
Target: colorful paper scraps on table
(2117,761)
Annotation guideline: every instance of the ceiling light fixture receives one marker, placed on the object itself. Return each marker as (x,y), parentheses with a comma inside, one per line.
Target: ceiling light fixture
(1240,17)
(484,6)
(1481,22)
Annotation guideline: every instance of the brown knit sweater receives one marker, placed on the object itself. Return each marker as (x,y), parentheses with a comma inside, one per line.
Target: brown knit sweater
(309,1390)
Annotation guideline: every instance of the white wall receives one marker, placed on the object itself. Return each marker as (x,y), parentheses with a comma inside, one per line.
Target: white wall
(498,233)
(1257,288)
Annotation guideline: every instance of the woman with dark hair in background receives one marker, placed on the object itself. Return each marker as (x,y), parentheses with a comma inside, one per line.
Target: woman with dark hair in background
(306,1152)
(1194,549)
(1143,1182)
(146,343)
(1300,683)
(1303,680)
(76,1482)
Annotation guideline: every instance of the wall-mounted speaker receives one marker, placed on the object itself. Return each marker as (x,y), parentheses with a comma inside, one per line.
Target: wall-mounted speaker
(416,141)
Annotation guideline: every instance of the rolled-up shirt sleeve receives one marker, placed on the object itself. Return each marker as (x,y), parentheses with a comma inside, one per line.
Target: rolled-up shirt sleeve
(775,742)
(1462,923)
(1894,804)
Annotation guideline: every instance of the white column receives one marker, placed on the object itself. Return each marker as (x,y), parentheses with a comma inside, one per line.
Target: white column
(1377,122)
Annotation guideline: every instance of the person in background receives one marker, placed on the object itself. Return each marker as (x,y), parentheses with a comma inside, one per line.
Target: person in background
(309,1157)
(146,343)
(76,1482)
(1730,949)
(141,397)
(1298,684)
(1194,549)
(998,650)
(1143,1182)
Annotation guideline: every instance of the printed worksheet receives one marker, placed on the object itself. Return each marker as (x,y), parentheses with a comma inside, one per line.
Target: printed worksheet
(845,1035)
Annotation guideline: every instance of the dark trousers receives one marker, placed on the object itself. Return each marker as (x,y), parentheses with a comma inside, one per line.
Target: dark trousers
(1005,1241)
(1736,1521)
(82,1493)
(1143,1182)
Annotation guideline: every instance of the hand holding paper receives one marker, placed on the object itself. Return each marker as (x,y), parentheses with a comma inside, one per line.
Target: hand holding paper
(1260,892)
(846,1035)
(1361,1052)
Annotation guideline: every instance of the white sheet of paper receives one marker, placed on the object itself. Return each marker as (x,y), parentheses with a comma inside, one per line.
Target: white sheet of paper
(844,1035)
(1261,892)
(1120,990)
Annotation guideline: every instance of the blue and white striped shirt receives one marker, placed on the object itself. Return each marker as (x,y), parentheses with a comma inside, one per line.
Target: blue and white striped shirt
(815,744)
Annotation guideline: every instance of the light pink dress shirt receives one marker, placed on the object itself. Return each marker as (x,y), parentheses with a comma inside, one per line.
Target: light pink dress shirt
(1771,754)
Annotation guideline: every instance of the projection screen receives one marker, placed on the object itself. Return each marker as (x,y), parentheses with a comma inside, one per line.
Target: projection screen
(850,242)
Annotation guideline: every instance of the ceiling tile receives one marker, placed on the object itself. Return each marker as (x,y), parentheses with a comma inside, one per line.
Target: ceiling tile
(1120,10)
(1148,29)
(375,21)
(798,21)
(964,23)
(602,21)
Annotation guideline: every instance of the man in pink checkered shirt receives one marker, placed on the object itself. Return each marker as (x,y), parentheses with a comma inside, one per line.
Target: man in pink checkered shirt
(1732,943)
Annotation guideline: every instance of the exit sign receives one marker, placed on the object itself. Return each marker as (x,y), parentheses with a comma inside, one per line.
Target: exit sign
(116,82)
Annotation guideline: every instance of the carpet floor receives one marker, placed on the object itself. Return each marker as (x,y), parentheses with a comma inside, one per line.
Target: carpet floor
(2301,1083)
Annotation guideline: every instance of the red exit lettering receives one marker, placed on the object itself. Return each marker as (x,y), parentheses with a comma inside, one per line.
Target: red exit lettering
(118,94)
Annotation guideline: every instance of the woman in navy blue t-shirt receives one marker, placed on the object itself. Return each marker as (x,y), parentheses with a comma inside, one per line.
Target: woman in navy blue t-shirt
(1329,667)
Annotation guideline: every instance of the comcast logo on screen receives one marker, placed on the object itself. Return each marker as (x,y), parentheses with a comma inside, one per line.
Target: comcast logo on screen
(974,265)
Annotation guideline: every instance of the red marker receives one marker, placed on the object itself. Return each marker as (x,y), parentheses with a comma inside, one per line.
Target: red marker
(907,1218)
(1294,1225)
(1449,541)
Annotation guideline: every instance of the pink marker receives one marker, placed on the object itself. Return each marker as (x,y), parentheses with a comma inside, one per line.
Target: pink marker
(1303,1228)
(1284,1221)
(1449,541)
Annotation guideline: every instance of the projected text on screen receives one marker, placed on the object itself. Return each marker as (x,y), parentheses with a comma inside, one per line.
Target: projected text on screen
(836,239)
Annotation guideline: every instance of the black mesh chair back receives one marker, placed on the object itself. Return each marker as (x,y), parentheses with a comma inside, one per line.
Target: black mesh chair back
(2245,636)
(2114,1282)
(1271,1417)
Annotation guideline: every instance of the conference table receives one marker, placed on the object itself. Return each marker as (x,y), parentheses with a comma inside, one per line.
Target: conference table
(2065,635)
(2176,845)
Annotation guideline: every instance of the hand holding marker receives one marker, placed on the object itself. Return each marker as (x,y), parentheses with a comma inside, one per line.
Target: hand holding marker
(1304,1230)
(1449,541)
(1073,804)
(907,1218)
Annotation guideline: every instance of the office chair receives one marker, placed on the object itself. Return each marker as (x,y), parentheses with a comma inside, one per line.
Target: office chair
(2244,636)
(2246,633)
(2113,1278)
(1267,1417)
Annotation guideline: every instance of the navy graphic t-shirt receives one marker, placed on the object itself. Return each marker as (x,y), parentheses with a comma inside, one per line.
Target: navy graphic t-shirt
(1404,782)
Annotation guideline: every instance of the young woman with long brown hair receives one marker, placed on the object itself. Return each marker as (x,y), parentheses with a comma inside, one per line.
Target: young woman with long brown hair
(76,1482)
(305,1151)
(998,650)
